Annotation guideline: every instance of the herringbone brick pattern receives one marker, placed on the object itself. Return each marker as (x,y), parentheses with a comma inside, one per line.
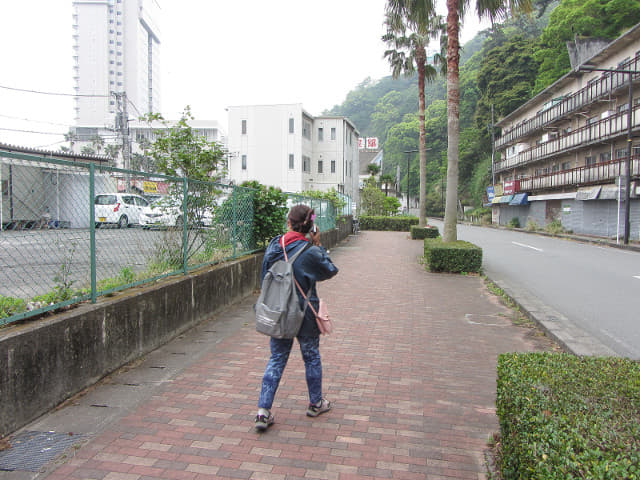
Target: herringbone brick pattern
(410,371)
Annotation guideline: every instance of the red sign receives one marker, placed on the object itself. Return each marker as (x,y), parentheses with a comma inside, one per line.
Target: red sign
(511,187)
(369,143)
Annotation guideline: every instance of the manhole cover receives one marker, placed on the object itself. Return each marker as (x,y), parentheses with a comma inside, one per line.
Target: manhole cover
(30,451)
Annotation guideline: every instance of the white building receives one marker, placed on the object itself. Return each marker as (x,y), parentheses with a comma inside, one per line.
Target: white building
(284,146)
(115,50)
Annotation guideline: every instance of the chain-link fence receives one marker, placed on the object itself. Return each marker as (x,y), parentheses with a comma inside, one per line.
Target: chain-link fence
(73,231)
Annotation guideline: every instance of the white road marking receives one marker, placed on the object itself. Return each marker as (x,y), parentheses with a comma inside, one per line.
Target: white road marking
(528,246)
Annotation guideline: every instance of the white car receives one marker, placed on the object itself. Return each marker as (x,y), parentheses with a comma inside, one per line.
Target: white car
(121,209)
(167,212)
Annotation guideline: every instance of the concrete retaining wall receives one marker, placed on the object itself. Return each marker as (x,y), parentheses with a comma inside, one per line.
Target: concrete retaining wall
(45,362)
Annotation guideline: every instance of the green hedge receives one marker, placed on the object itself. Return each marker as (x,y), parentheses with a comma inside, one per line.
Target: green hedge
(396,224)
(454,257)
(563,416)
(419,233)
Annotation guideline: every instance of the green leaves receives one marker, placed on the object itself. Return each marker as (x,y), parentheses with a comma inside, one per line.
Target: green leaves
(563,416)
(179,151)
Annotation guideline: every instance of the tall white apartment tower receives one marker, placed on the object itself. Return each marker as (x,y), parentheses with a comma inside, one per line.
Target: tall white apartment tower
(115,50)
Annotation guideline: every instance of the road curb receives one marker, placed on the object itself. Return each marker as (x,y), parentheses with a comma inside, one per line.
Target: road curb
(572,338)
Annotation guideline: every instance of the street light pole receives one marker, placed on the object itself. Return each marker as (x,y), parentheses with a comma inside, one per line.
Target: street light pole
(627,170)
(408,152)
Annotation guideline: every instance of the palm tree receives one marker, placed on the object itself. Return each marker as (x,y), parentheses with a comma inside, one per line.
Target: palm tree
(455,9)
(422,12)
(386,180)
(409,32)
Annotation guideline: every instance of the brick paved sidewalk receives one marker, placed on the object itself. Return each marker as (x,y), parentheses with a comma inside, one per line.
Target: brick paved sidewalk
(411,372)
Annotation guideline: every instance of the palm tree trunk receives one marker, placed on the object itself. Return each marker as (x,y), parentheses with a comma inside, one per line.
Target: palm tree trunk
(453,120)
(421,58)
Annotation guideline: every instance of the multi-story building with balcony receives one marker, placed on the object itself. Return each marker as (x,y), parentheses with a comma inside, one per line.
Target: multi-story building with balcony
(563,155)
(284,146)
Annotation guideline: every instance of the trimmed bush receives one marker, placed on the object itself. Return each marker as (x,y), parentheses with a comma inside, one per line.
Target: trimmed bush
(395,224)
(453,257)
(419,233)
(563,416)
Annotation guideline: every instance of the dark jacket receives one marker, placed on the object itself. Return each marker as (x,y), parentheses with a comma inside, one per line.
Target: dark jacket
(311,266)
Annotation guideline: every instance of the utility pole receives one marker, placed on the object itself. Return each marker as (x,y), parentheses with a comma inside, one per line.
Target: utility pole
(493,150)
(122,126)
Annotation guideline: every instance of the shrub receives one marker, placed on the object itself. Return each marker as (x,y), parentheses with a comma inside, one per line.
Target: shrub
(419,233)
(554,227)
(514,223)
(396,224)
(532,226)
(563,416)
(453,257)
(10,306)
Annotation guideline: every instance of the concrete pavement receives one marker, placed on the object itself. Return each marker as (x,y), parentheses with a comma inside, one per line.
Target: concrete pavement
(411,372)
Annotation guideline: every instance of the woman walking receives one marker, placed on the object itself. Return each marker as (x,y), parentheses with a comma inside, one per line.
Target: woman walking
(312,265)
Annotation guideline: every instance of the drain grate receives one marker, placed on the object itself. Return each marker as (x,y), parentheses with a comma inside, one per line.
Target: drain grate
(30,451)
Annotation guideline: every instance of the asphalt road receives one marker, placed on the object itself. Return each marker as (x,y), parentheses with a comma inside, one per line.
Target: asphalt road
(596,287)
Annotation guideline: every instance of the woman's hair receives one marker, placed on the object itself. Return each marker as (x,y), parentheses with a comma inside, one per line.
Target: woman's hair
(301,218)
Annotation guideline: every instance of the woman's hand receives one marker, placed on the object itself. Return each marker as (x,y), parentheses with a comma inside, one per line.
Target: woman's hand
(314,235)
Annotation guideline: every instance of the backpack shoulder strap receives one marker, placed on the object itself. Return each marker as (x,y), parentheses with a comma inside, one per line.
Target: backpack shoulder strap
(295,255)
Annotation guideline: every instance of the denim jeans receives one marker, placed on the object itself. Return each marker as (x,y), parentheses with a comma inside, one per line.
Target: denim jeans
(280,350)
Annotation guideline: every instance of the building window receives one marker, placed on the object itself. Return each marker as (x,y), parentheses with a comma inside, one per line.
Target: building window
(321,134)
(333,133)
(590,161)
(244,162)
(320,166)
(605,157)
(306,164)
(621,153)
(623,108)
(244,127)
(291,124)
(306,130)
(555,168)
(333,166)
(291,162)
(566,166)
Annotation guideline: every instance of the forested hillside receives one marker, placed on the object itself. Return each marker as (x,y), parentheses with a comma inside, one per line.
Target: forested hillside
(501,68)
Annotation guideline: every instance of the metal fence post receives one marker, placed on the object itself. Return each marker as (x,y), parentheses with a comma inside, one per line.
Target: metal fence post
(234,228)
(92,231)
(185,232)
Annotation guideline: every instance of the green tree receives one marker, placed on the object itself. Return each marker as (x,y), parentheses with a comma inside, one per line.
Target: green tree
(386,180)
(373,169)
(269,211)
(455,8)
(112,150)
(409,32)
(179,151)
(372,200)
(97,142)
(582,18)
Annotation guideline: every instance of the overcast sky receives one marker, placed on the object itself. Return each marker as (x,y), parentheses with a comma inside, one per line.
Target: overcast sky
(214,53)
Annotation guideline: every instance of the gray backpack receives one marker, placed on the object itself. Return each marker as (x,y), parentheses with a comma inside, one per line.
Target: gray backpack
(278,312)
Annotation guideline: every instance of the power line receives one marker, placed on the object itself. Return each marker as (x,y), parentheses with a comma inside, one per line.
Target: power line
(35,121)
(53,93)
(30,131)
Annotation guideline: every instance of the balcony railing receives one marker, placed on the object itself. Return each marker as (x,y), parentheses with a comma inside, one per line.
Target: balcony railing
(603,130)
(601,87)
(601,172)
